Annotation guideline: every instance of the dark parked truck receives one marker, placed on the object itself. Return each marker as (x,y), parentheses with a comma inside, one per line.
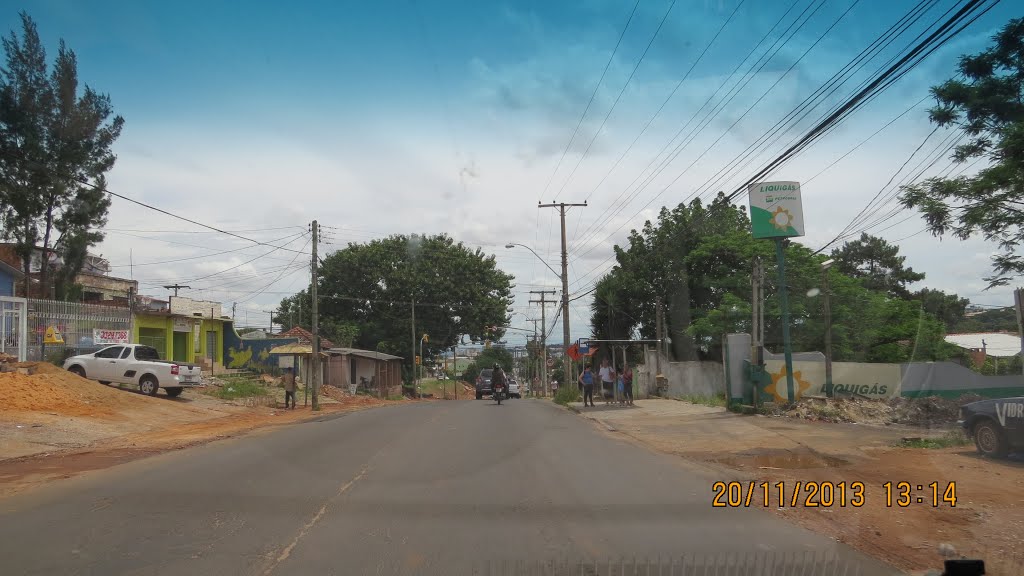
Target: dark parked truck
(483,383)
(997,426)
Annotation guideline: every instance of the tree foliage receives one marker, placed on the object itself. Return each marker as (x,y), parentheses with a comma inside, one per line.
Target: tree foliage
(366,293)
(55,147)
(877,263)
(699,258)
(985,102)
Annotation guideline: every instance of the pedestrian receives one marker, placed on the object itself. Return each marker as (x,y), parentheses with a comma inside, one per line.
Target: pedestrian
(289,388)
(627,383)
(607,375)
(587,382)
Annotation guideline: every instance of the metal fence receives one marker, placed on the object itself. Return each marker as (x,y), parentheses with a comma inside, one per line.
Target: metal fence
(75,322)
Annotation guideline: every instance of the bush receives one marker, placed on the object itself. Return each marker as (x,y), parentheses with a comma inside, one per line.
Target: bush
(567,394)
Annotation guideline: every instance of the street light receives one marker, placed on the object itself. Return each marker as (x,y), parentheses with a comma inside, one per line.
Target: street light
(511,245)
(566,363)
(828,325)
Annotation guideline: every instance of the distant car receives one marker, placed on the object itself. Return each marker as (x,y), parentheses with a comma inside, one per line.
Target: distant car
(513,389)
(997,425)
(483,383)
(138,365)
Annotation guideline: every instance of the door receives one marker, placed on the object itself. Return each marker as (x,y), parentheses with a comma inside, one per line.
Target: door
(179,345)
(211,346)
(106,364)
(13,327)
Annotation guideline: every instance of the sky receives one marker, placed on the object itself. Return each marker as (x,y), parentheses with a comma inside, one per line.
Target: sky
(406,116)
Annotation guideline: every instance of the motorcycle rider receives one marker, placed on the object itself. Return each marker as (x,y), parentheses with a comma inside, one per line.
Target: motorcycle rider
(498,379)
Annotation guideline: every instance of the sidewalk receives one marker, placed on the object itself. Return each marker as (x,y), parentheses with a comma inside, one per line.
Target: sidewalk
(986,521)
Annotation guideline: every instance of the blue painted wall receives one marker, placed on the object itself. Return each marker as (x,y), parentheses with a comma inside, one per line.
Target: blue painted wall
(6,283)
(251,354)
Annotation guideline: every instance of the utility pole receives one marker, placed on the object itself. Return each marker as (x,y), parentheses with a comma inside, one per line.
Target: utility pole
(315,363)
(828,325)
(271,312)
(543,335)
(177,287)
(566,363)
(415,367)
(233,304)
(1018,300)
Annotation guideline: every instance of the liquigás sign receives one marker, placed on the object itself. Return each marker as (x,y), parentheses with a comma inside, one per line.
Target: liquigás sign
(776,209)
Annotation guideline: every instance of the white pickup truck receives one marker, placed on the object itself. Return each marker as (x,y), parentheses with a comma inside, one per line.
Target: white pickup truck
(136,364)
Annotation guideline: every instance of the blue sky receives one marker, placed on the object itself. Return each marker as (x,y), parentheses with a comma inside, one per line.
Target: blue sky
(414,116)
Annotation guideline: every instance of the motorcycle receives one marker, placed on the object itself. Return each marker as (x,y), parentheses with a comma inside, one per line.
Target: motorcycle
(499,392)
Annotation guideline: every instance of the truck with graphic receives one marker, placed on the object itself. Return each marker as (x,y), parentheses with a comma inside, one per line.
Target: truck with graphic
(997,425)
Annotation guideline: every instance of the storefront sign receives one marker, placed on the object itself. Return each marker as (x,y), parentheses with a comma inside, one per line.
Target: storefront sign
(182,325)
(776,209)
(102,337)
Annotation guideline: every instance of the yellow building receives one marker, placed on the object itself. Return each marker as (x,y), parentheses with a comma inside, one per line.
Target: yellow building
(189,331)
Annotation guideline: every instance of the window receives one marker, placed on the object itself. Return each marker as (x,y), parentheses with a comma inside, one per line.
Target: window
(126,353)
(113,352)
(92,296)
(146,353)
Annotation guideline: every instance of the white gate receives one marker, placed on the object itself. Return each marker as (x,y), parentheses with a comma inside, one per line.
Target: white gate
(13,326)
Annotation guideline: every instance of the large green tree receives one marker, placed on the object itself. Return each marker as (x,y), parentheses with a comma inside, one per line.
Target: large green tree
(55,147)
(877,263)
(710,248)
(986,102)
(366,294)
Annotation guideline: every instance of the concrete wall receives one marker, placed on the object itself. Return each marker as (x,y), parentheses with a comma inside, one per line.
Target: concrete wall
(251,354)
(860,378)
(189,307)
(683,378)
(952,381)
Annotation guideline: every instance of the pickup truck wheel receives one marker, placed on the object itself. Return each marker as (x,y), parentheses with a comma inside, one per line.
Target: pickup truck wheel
(148,385)
(77,371)
(990,440)
(479,396)
(173,392)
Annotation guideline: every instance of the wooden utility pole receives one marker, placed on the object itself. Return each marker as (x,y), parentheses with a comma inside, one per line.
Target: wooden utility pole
(315,362)
(566,363)
(415,367)
(543,335)
(1018,300)
(177,287)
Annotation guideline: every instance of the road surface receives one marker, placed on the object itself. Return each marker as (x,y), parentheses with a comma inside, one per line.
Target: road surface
(419,488)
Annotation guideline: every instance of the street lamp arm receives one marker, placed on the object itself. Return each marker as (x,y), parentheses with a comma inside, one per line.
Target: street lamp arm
(511,244)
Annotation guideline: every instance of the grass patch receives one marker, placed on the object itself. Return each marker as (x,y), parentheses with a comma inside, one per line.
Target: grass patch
(396,398)
(947,440)
(240,388)
(718,400)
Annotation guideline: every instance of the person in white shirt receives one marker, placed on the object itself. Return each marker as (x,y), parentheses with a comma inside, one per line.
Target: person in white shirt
(607,375)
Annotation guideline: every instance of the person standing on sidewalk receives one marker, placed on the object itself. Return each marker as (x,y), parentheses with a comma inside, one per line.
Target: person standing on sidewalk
(607,375)
(587,381)
(289,388)
(627,383)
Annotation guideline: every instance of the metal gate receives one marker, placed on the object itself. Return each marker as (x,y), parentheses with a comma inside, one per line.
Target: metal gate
(13,326)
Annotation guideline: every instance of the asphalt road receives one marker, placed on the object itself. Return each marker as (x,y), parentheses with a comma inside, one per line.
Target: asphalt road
(426,488)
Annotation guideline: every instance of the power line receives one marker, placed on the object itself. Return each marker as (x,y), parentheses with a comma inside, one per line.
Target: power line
(592,96)
(618,97)
(201,255)
(173,215)
(271,283)
(618,203)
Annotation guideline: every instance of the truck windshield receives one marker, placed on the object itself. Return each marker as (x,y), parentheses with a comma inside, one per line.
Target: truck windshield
(146,353)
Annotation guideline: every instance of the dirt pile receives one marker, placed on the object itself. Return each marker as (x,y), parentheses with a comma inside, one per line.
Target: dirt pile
(927,411)
(55,391)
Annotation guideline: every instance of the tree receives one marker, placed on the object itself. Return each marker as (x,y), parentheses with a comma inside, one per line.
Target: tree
(55,147)
(949,308)
(877,263)
(487,358)
(987,105)
(366,294)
